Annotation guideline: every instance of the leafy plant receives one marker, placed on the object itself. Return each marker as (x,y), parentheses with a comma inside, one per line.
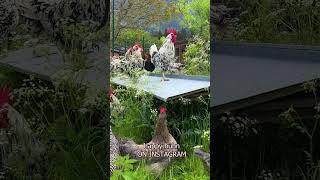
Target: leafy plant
(134,122)
(60,119)
(311,174)
(191,168)
(127,171)
(197,57)
(279,21)
(195,16)
(162,40)
(12,43)
(138,14)
(309,129)
(129,36)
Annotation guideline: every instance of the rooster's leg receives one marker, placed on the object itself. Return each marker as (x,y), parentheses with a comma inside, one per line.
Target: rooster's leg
(164,77)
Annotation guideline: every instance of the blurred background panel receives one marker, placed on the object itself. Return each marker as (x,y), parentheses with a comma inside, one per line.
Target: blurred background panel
(265,88)
(54,89)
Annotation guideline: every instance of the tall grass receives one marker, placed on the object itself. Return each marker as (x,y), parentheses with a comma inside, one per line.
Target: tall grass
(307,130)
(190,168)
(272,21)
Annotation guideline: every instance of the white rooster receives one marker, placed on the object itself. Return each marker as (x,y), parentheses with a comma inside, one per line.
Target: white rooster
(166,54)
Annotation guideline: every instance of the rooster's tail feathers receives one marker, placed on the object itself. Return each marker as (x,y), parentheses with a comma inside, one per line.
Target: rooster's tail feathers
(153,49)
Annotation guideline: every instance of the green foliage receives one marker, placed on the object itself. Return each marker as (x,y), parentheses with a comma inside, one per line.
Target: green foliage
(310,130)
(75,146)
(78,59)
(280,21)
(137,120)
(77,41)
(75,153)
(127,171)
(196,16)
(125,163)
(189,120)
(190,168)
(205,137)
(197,57)
(197,53)
(311,174)
(139,14)
(77,36)
(129,36)
(162,40)
(103,35)
(9,77)
(12,43)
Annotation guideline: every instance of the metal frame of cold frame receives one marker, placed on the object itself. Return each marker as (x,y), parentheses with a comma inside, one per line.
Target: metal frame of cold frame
(271,71)
(178,85)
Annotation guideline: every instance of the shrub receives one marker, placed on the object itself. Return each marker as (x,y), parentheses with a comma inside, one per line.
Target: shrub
(197,57)
(59,117)
(280,21)
(196,16)
(129,36)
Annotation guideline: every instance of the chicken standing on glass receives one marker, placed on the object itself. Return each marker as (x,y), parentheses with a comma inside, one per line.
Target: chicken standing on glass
(131,60)
(165,56)
(137,61)
(128,53)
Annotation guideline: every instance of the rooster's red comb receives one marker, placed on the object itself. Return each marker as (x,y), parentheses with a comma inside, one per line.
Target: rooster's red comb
(136,44)
(4,96)
(163,110)
(172,30)
(110,92)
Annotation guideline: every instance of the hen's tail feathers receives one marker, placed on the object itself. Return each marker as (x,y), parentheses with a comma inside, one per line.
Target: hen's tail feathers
(153,49)
(149,66)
